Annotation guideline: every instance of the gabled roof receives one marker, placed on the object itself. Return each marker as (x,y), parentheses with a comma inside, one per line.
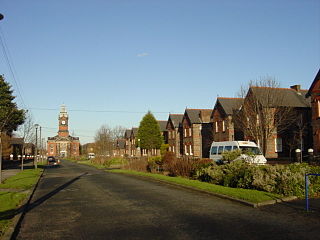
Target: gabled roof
(198,115)
(284,97)
(127,133)
(316,79)
(163,125)
(229,104)
(134,131)
(16,140)
(121,143)
(176,119)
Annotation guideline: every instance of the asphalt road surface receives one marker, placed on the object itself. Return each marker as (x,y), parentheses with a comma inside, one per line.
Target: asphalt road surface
(80,202)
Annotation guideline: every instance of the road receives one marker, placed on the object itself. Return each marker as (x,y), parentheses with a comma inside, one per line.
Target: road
(80,202)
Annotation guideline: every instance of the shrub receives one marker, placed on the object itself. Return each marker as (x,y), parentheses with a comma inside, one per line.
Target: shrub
(286,180)
(230,156)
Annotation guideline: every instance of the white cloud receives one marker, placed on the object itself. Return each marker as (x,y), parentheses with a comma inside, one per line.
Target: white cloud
(143,54)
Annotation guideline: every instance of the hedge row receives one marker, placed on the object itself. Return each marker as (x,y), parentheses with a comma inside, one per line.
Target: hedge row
(287,180)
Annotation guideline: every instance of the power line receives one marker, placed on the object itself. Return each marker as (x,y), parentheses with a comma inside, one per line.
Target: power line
(10,64)
(96,111)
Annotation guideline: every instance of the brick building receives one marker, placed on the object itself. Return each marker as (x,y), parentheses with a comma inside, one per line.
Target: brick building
(221,119)
(314,94)
(127,135)
(175,136)
(294,131)
(63,145)
(163,130)
(197,132)
(120,147)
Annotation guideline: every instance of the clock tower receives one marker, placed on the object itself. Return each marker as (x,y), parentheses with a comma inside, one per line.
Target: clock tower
(63,122)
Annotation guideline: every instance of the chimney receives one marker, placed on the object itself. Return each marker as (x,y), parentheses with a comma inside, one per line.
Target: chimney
(296,87)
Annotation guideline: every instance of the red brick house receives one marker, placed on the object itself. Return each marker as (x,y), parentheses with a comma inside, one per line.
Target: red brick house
(285,137)
(163,130)
(127,135)
(175,136)
(63,145)
(314,93)
(197,132)
(221,119)
(120,147)
(134,148)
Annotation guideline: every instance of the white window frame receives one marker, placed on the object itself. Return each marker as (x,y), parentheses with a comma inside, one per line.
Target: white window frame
(223,126)
(190,148)
(190,132)
(216,126)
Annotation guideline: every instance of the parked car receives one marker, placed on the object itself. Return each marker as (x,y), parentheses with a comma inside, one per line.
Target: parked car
(255,156)
(52,161)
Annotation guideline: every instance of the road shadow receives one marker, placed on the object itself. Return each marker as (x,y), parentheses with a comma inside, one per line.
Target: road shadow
(6,215)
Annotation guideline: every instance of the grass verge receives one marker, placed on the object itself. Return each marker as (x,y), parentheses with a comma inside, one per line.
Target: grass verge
(9,201)
(23,180)
(252,196)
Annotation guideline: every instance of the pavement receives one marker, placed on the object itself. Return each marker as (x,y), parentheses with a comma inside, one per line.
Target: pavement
(81,202)
(15,168)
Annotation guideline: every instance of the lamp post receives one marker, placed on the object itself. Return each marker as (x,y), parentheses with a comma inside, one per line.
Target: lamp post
(35,159)
(1,17)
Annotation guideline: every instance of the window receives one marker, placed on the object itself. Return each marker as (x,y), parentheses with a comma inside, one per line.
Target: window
(190,132)
(216,126)
(278,144)
(186,149)
(227,148)
(223,126)
(190,147)
(51,148)
(220,149)
(185,132)
(172,148)
(318,109)
(258,120)
(214,150)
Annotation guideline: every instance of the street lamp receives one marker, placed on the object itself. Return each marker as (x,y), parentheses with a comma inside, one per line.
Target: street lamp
(1,17)
(35,159)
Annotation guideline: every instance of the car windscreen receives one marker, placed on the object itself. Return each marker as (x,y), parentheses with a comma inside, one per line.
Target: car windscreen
(253,150)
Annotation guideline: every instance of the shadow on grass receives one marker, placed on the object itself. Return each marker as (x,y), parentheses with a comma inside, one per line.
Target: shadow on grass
(6,215)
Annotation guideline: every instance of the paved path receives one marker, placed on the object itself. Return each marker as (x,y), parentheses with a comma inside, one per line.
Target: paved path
(80,202)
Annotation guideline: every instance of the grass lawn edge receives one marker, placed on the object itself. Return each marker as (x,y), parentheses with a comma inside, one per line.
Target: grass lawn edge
(243,196)
(10,230)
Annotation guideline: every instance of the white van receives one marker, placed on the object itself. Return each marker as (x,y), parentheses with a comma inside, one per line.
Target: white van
(217,148)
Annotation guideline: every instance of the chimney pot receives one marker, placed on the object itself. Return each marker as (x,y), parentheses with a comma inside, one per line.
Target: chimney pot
(296,87)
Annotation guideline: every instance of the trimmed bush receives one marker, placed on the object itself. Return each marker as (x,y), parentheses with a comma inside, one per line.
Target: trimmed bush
(287,180)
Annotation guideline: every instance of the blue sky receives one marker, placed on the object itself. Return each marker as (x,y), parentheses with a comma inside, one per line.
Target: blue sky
(133,56)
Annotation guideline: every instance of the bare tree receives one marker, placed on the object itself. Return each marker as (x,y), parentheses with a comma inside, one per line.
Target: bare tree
(26,131)
(118,132)
(264,111)
(104,140)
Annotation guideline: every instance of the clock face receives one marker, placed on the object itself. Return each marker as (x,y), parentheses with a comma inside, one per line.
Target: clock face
(63,122)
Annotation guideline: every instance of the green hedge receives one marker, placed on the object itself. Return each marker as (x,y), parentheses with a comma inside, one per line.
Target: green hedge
(287,180)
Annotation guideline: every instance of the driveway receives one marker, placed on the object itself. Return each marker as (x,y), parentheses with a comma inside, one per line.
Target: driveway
(80,202)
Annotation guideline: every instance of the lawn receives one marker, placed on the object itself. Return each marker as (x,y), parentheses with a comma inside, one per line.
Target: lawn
(252,196)
(23,180)
(9,201)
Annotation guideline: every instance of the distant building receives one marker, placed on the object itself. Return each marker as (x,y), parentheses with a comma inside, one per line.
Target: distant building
(63,145)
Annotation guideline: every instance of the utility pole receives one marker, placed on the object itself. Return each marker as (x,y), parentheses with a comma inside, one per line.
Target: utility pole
(40,145)
(36,148)
(1,17)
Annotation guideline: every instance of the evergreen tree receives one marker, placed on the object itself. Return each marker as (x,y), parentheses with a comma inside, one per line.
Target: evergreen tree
(10,116)
(149,133)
